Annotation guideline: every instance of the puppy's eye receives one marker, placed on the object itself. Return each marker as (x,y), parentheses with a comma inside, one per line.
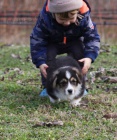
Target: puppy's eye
(73,82)
(63,83)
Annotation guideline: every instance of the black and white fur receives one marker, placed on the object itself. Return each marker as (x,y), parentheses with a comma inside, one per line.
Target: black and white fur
(65,80)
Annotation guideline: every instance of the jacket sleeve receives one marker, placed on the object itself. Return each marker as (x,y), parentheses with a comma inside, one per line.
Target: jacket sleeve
(38,42)
(91,39)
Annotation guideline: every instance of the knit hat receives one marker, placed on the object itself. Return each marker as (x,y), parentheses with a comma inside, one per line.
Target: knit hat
(60,6)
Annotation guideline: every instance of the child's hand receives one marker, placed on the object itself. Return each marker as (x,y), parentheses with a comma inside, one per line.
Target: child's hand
(87,64)
(43,68)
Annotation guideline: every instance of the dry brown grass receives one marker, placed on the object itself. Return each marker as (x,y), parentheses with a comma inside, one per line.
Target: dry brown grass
(15,34)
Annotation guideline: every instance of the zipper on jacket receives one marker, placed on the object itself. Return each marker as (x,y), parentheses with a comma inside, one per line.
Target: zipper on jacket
(64,39)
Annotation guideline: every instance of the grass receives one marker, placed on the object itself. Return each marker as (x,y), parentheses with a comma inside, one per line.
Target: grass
(21,108)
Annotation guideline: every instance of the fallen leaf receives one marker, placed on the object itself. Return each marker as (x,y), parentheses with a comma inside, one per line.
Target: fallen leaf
(2,79)
(28,58)
(19,82)
(110,115)
(113,79)
(49,124)
(114,89)
(6,70)
(16,56)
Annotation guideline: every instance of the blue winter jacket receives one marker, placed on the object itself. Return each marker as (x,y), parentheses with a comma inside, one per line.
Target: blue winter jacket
(48,30)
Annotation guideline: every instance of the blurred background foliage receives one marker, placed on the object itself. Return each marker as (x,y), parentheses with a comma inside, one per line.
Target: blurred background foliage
(18,17)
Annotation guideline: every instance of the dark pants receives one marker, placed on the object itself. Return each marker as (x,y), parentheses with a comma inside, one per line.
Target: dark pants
(74,49)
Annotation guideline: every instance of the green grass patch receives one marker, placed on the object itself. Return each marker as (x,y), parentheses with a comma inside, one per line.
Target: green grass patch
(21,108)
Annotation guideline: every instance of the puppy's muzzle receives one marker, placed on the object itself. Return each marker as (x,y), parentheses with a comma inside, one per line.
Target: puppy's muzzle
(70,91)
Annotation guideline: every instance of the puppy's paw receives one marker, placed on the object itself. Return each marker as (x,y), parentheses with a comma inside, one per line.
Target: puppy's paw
(53,100)
(75,102)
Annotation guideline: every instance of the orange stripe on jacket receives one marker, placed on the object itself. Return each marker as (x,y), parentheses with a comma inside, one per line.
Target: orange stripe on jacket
(84,8)
(65,40)
(47,9)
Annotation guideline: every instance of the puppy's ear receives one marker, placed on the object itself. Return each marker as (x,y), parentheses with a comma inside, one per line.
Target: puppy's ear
(78,74)
(54,81)
(55,73)
(79,77)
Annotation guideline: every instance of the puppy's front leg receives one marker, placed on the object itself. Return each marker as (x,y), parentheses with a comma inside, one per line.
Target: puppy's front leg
(75,102)
(52,100)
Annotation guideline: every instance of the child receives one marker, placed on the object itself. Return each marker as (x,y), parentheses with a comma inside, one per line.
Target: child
(64,26)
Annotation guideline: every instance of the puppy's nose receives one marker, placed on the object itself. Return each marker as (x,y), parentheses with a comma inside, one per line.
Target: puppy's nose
(70,91)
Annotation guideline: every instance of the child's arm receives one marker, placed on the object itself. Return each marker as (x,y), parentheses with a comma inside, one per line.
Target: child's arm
(38,43)
(87,64)
(43,68)
(91,39)
(91,43)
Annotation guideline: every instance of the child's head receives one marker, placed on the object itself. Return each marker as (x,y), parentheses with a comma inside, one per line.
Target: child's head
(65,11)
(66,18)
